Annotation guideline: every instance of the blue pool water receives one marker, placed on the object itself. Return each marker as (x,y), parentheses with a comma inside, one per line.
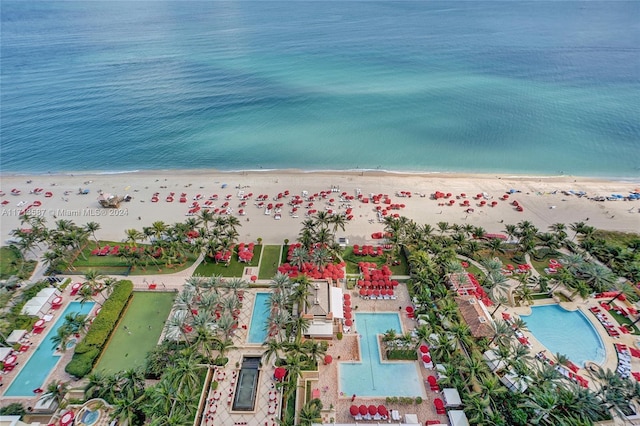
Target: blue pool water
(566,332)
(43,360)
(259,317)
(370,377)
(90,417)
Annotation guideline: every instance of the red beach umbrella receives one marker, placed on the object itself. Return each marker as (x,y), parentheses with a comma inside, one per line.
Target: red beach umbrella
(254,278)
(328,359)
(348,323)
(347,315)
(372,410)
(347,302)
(426,358)
(424,349)
(279,373)
(347,296)
(382,410)
(363,292)
(353,410)
(362,410)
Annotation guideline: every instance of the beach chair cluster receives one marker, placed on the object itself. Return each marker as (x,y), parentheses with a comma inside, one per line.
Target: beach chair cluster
(374,283)
(569,370)
(624,361)
(369,413)
(245,252)
(606,322)
(367,250)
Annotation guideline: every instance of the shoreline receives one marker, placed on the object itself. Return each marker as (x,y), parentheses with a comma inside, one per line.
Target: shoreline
(352,172)
(546,200)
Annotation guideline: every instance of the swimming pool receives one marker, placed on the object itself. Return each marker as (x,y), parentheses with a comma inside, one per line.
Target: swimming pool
(566,332)
(43,360)
(370,376)
(259,318)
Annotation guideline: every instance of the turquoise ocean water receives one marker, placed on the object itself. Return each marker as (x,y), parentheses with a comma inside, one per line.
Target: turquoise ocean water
(480,86)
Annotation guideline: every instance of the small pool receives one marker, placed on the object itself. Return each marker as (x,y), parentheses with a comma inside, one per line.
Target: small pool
(259,319)
(89,417)
(245,396)
(569,333)
(43,359)
(371,377)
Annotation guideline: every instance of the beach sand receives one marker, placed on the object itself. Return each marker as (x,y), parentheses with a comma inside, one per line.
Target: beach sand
(542,198)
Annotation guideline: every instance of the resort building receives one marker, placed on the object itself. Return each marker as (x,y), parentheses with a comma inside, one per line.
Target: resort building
(323,309)
(476,316)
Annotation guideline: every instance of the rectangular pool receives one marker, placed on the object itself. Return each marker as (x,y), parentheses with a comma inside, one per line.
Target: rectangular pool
(42,361)
(259,319)
(370,376)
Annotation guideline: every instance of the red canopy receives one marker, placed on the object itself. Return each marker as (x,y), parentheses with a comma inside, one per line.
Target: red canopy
(328,359)
(424,349)
(347,296)
(353,410)
(279,373)
(347,315)
(382,410)
(373,410)
(426,358)
(432,380)
(254,278)
(348,323)
(362,409)
(363,292)
(409,309)
(506,316)
(347,302)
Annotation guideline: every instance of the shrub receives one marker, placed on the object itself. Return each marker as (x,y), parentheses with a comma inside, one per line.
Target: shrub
(418,400)
(89,349)
(14,409)
(339,336)
(214,385)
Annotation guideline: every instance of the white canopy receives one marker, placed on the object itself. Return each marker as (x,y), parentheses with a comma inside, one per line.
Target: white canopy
(4,352)
(320,329)
(15,336)
(336,302)
(411,419)
(492,361)
(451,397)
(40,304)
(458,418)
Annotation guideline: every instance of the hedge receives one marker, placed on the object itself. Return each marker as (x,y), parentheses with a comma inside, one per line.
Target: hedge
(89,349)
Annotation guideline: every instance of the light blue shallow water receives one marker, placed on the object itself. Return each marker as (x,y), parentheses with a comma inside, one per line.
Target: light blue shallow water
(43,360)
(566,332)
(370,377)
(472,86)
(259,317)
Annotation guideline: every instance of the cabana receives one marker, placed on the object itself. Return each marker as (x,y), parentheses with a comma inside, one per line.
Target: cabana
(458,418)
(4,353)
(493,362)
(451,397)
(15,336)
(41,303)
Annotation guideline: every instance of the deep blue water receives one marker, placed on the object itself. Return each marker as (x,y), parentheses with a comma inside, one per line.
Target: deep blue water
(480,86)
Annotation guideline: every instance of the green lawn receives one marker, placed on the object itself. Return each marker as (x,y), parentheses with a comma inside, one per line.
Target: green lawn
(208,267)
(115,265)
(270,262)
(138,331)
(11,262)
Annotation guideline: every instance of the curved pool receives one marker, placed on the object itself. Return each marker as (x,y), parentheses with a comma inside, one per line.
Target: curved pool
(569,333)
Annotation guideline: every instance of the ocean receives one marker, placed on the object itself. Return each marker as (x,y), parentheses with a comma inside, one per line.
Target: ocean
(523,87)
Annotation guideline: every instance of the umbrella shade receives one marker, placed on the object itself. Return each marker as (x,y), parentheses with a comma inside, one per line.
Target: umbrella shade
(363,292)
(432,380)
(348,323)
(372,410)
(347,302)
(382,410)
(347,296)
(369,292)
(409,309)
(424,349)
(279,373)
(348,315)
(353,410)
(426,358)
(328,359)
(67,418)
(362,409)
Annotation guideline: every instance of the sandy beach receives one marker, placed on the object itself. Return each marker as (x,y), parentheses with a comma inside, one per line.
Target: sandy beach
(545,200)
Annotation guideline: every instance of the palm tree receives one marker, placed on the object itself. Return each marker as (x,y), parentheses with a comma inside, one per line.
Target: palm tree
(501,331)
(92,227)
(62,337)
(56,391)
(100,385)
(311,413)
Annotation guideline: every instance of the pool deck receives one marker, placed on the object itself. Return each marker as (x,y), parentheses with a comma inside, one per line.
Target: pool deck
(327,378)
(34,340)
(611,357)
